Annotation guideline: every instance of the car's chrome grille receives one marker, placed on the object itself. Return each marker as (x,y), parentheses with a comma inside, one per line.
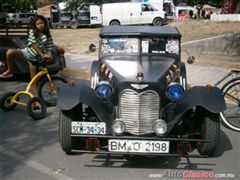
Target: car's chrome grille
(139,111)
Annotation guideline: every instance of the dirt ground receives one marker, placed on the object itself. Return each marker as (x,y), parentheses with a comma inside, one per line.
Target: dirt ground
(76,41)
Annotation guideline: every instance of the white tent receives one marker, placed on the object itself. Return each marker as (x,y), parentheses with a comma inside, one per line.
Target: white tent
(62,5)
(206,6)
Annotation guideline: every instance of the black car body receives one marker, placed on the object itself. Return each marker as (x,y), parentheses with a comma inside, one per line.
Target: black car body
(137,102)
(17,39)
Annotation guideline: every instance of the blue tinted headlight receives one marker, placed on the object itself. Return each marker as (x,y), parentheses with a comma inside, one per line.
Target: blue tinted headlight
(104,89)
(175,91)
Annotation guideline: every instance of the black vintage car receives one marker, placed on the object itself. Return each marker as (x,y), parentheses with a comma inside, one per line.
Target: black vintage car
(137,102)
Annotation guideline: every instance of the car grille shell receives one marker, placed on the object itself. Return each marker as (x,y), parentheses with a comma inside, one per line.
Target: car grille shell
(139,110)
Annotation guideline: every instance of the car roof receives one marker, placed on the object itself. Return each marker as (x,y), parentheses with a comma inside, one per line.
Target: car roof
(167,31)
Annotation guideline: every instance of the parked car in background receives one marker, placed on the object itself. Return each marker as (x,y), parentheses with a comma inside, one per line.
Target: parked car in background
(185,12)
(19,19)
(87,14)
(66,19)
(52,13)
(131,13)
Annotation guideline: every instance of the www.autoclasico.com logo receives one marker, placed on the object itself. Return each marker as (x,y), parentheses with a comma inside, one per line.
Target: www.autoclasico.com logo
(189,174)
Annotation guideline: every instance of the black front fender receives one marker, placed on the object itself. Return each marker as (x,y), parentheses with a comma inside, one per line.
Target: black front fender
(210,99)
(71,96)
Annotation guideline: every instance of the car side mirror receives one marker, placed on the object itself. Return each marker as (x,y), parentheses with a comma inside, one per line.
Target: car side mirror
(191,59)
(92,47)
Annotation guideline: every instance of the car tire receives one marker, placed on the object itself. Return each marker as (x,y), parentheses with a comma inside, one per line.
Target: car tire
(210,131)
(65,132)
(114,23)
(158,21)
(74,25)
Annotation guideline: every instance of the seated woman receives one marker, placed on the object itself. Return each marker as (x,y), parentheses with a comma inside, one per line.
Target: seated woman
(39,44)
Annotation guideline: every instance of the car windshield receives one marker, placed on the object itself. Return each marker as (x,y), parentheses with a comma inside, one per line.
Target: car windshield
(66,14)
(160,45)
(119,45)
(126,45)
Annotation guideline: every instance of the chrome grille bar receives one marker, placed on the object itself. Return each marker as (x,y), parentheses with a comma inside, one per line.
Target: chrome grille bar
(139,111)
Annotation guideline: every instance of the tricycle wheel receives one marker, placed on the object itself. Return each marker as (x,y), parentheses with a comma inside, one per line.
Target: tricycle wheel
(3,66)
(36,108)
(48,90)
(210,131)
(5,101)
(65,133)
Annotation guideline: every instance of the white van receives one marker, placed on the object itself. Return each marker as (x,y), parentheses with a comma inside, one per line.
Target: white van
(162,5)
(87,14)
(131,13)
(20,18)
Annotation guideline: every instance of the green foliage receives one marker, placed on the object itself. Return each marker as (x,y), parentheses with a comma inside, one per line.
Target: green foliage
(73,4)
(26,5)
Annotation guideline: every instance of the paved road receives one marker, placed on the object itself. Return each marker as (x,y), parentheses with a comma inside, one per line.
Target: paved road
(30,149)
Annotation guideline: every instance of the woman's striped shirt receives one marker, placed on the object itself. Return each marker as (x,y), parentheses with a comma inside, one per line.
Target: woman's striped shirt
(43,42)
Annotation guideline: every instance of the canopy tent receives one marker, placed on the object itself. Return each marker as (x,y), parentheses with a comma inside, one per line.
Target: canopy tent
(206,6)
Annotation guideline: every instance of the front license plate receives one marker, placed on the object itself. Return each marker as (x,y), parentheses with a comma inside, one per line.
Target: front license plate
(88,128)
(138,146)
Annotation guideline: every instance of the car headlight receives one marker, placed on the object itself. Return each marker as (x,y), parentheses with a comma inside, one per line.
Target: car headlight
(104,89)
(175,91)
(160,127)
(118,127)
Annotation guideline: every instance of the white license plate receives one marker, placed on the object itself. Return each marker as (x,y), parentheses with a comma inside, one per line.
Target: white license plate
(138,146)
(88,127)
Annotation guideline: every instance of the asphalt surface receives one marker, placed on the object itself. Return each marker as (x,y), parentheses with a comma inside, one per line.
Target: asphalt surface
(30,149)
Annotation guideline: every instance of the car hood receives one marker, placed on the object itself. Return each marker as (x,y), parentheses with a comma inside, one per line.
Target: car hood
(127,68)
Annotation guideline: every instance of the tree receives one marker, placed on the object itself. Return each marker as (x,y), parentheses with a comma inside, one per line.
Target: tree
(27,5)
(73,4)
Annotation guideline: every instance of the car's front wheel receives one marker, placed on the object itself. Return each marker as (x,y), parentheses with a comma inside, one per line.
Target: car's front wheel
(74,25)
(114,23)
(210,131)
(65,132)
(158,21)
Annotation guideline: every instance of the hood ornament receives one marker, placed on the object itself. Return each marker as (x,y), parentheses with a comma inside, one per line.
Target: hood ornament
(140,76)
